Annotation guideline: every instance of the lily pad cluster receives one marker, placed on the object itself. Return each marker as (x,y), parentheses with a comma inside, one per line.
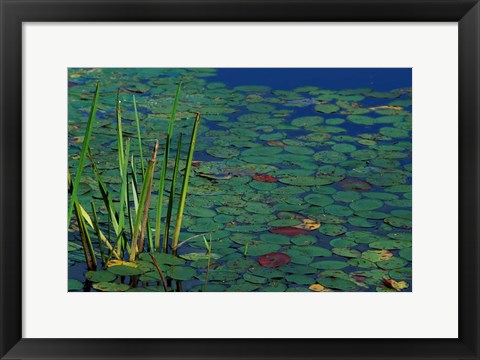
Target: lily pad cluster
(303,189)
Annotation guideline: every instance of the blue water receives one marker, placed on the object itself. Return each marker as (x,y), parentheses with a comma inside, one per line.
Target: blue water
(379,79)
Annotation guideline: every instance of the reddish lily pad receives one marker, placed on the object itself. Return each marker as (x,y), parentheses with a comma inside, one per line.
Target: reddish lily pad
(264,178)
(274,259)
(289,231)
(355,185)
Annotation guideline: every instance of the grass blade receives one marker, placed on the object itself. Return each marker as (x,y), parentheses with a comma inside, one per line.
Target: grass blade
(97,231)
(83,153)
(142,212)
(186,177)
(137,121)
(172,196)
(119,135)
(163,175)
(123,189)
(86,240)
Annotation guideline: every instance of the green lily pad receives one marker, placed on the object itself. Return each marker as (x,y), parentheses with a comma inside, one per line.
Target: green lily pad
(362,263)
(399,222)
(366,204)
(360,222)
(392,263)
(278,239)
(123,270)
(299,279)
(326,108)
(330,157)
(319,199)
(347,196)
(307,121)
(329,265)
(338,210)
(332,229)
(401,273)
(303,240)
(258,249)
(243,287)
(181,272)
(74,285)
(390,244)
(100,276)
(254,279)
(376,255)
(223,152)
(337,283)
(200,212)
(406,253)
(110,287)
(343,242)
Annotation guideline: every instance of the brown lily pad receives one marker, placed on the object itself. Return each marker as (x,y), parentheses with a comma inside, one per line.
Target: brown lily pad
(355,185)
(289,231)
(264,178)
(274,259)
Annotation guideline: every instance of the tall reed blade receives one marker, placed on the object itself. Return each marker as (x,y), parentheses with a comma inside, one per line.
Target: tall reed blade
(85,238)
(97,231)
(163,175)
(83,153)
(183,194)
(143,205)
(137,121)
(172,196)
(119,135)
(123,190)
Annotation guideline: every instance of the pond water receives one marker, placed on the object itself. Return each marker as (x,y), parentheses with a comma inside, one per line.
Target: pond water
(300,181)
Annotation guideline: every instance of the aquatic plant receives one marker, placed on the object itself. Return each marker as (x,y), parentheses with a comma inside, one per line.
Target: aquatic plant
(129,246)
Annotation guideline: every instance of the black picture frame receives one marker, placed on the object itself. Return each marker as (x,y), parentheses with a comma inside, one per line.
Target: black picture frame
(14,12)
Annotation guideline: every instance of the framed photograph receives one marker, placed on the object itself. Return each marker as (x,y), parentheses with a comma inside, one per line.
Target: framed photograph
(240,180)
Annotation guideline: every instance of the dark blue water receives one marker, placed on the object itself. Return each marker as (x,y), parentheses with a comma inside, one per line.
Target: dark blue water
(379,79)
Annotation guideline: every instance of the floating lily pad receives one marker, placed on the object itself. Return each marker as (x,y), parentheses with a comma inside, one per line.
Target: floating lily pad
(362,263)
(406,253)
(110,287)
(275,238)
(274,259)
(366,204)
(326,108)
(299,279)
(258,249)
(74,285)
(304,240)
(337,283)
(354,185)
(100,276)
(329,264)
(377,255)
(343,242)
(399,222)
(346,252)
(123,270)
(332,229)
(330,157)
(181,272)
(360,222)
(392,263)
(289,231)
(319,199)
(390,244)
